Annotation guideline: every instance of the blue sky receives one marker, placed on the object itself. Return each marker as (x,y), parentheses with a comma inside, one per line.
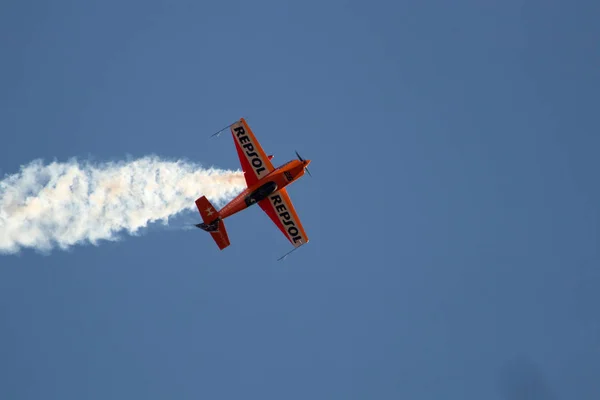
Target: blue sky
(453,209)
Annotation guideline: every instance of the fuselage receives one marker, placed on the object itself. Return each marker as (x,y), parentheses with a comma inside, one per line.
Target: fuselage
(277,179)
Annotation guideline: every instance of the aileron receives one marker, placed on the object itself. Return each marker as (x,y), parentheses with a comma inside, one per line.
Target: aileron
(280,209)
(253,159)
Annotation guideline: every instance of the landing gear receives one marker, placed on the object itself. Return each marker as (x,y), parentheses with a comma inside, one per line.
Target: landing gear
(261,193)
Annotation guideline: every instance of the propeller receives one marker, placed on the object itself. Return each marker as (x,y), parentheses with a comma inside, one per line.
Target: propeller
(302,159)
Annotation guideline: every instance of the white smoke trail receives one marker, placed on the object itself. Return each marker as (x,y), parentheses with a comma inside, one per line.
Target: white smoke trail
(62,204)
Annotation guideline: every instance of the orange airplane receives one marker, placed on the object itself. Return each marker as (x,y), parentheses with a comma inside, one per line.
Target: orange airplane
(265,186)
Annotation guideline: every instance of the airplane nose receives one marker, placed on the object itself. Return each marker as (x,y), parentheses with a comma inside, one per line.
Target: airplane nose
(306,162)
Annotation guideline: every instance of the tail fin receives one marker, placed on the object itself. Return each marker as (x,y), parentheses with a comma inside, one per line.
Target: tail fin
(213,223)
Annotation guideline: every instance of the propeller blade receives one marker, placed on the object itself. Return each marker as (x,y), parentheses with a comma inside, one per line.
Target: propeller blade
(302,159)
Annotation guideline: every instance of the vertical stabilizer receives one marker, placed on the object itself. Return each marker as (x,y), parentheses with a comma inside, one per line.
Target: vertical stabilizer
(213,223)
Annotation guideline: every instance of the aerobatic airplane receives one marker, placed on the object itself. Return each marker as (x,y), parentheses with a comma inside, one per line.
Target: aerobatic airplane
(265,186)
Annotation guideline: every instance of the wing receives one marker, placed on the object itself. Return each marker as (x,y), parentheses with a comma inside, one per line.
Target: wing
(253,158)
(280,209)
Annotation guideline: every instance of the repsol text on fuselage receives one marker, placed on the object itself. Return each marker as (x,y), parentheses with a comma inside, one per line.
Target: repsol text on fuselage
(285,217)
(253,156)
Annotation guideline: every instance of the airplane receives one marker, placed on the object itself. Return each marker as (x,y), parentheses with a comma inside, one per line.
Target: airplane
(266,186)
